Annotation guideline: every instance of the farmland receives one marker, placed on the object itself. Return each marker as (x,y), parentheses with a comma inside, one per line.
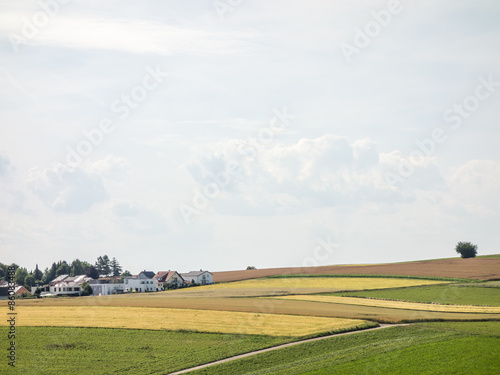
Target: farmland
(325,283)
(184,319)
(93,351)
(424,348)
(161,332)
(394,304)
(479,268)
(477,294)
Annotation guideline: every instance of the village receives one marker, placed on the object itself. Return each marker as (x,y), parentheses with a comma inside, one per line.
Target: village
(145,281)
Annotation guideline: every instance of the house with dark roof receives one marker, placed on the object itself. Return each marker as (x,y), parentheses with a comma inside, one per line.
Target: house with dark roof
(199,277)
(165,278)
(146,275)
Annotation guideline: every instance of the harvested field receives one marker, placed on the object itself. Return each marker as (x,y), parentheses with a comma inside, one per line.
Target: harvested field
(183,319)
(480,268)
(297,285)
(262,305)
(396,304)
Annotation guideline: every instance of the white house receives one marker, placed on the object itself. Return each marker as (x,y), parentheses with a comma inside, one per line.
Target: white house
(144,282)
(63,285)
(199,277)
(105,286)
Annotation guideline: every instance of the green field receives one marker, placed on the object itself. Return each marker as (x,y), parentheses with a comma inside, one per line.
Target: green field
(424,348)
(442,294)
(94,351)
(159,333)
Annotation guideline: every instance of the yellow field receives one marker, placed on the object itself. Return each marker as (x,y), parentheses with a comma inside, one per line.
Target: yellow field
(336,283)
(182,319)
(395,304)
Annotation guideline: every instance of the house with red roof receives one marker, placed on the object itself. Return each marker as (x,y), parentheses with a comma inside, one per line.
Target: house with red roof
(165,278)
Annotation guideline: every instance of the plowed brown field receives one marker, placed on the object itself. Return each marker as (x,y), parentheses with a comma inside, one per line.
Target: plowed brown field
(482,268)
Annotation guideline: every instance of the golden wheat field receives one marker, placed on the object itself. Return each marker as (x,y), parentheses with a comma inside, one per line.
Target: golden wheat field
(183,319)
(395,304)
(334,283)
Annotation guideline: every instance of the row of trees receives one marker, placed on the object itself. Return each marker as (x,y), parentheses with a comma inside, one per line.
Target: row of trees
(102,267)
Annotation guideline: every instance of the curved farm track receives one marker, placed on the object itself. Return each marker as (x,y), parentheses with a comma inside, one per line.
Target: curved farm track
(481,268)
(280,347)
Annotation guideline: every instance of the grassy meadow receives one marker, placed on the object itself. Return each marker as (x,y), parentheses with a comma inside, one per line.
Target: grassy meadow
(487,294)
(95,351)
(423,348)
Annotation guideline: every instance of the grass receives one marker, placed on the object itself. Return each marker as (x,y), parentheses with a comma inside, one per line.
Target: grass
(442,294)
(430,348)
(184,319)
(394,304)
(95,351)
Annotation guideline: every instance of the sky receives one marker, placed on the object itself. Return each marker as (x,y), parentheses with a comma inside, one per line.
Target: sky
(185,135)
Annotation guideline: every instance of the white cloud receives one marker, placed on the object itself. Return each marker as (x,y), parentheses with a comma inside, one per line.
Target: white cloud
(86,31)
(71,190)
(475,187)
(111,167)
(325,171)
(4,165)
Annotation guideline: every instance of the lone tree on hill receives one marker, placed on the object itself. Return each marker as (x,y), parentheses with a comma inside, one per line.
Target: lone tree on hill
(466,249)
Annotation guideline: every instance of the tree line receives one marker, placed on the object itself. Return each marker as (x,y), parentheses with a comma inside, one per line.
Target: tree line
(101,268)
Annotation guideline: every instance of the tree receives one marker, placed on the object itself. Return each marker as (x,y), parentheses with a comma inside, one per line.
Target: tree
(116,269)
(20,275)
(38,291)
(37,274)
(103,265)
(126,273)
(78,267)
(46,276)
(466,249)
(92,272)
(49,274)
(251,268)
(63,268)
(3,271)
(86,289)
(29,281)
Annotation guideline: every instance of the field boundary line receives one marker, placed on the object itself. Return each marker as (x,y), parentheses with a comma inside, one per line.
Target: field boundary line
(244,355)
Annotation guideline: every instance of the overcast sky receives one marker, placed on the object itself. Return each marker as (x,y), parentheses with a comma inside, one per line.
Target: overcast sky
(216,135)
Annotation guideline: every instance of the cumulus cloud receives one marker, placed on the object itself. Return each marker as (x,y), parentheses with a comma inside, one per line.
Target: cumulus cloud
(112,167)
(64,189)
(474,187)
(325,171)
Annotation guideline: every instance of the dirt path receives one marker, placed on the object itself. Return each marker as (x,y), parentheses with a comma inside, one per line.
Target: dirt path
(281,347)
